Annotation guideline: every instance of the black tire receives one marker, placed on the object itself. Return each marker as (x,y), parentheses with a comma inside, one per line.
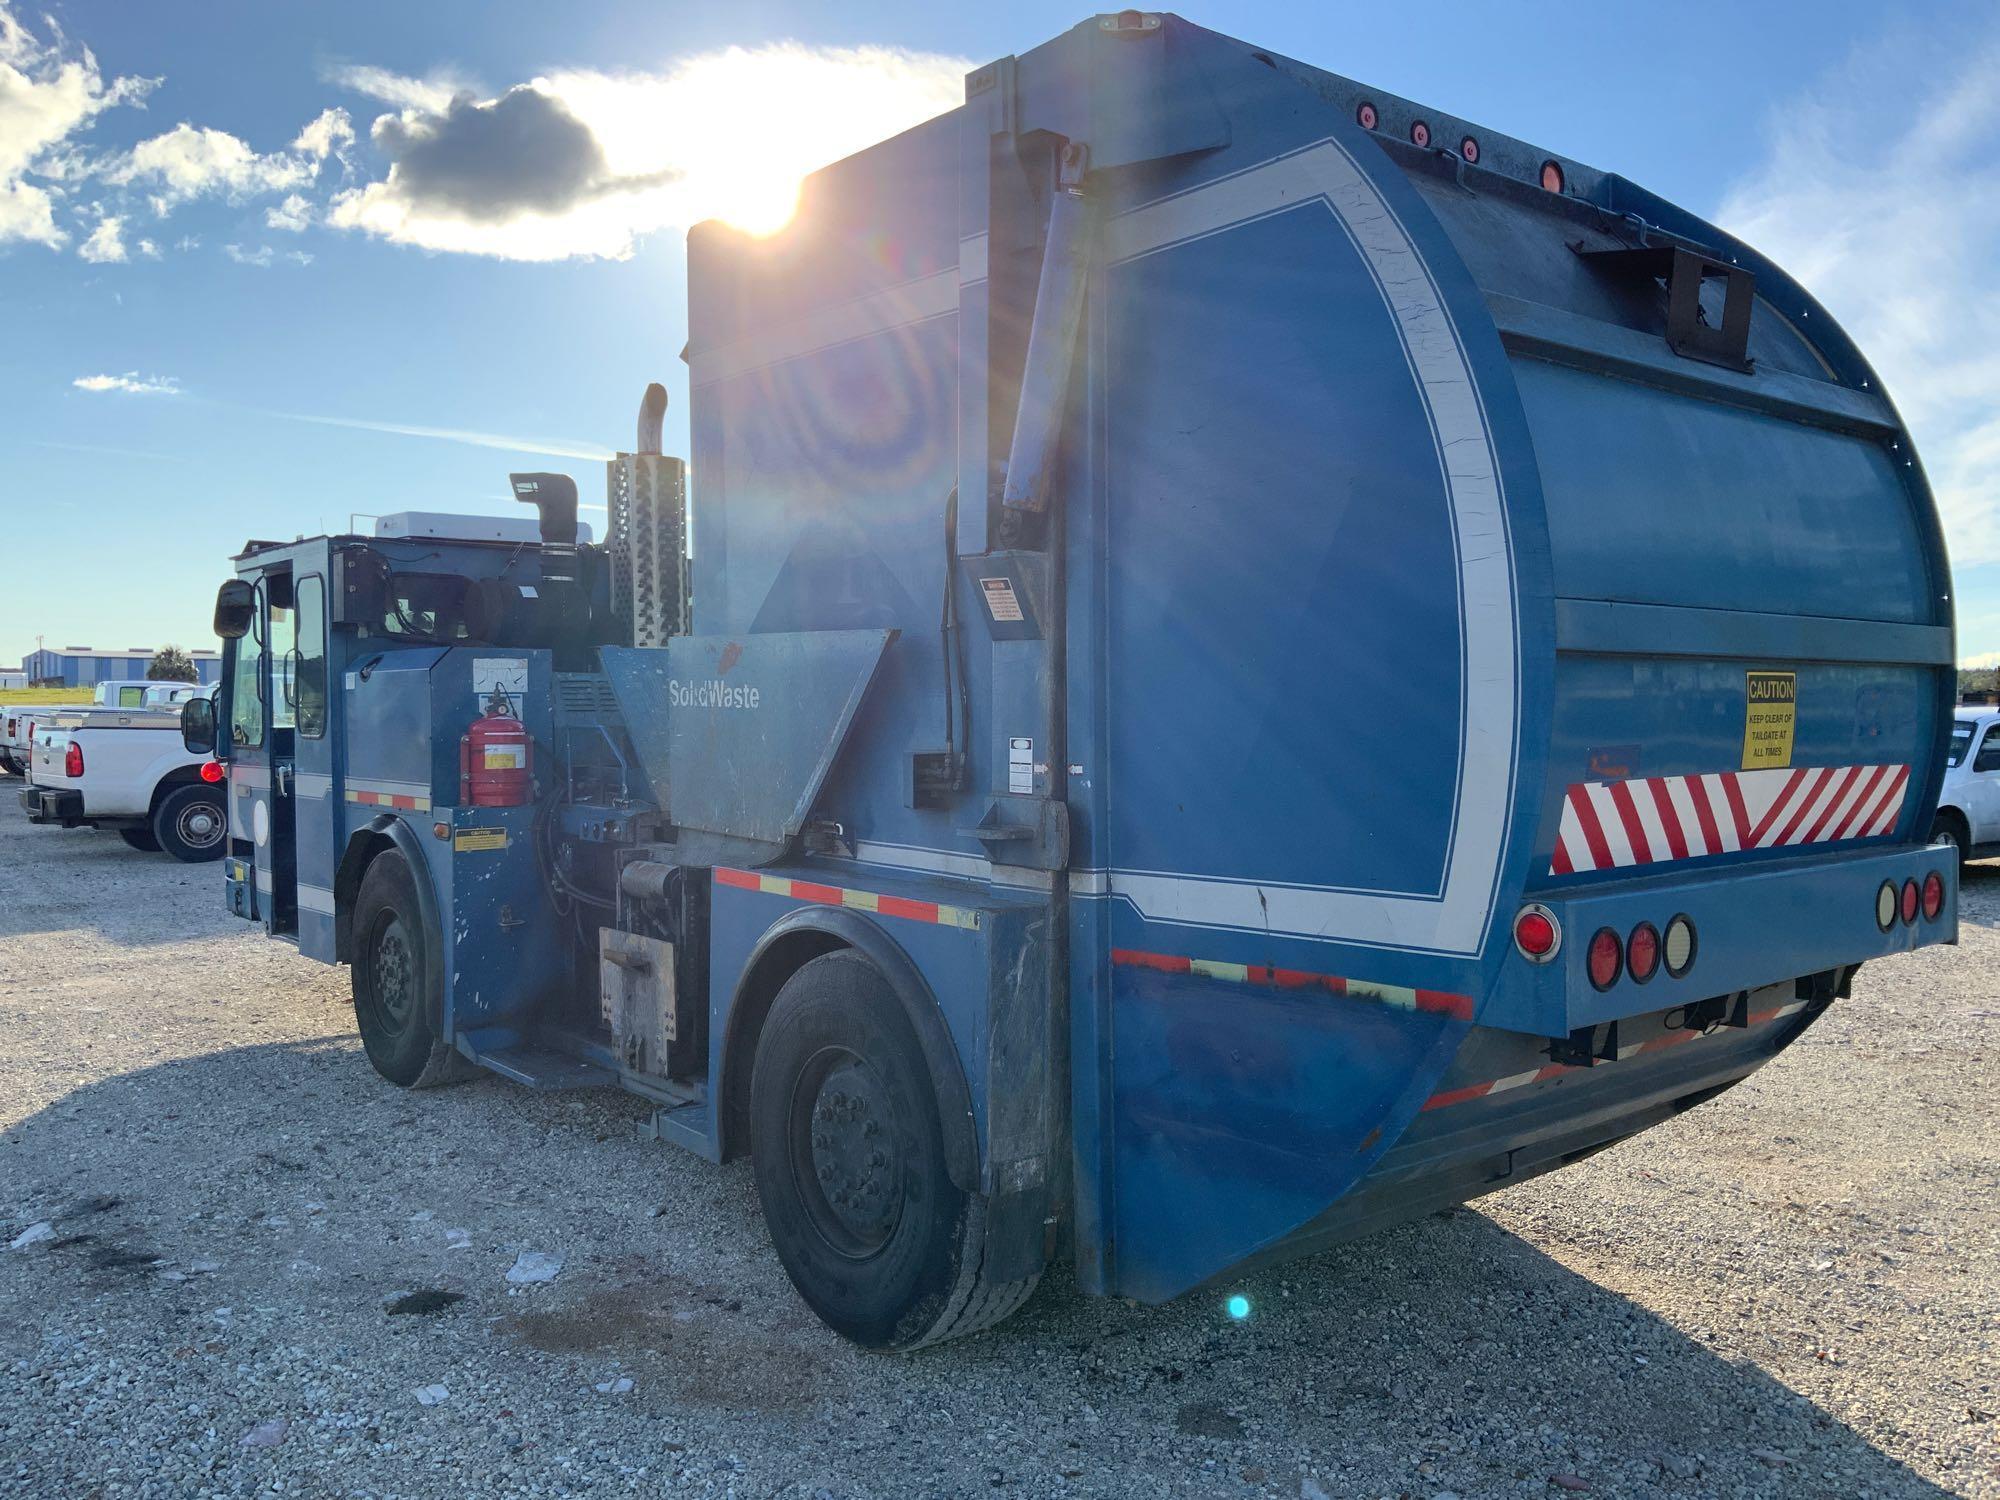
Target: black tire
(396,1001)
(850,1165)
(141,839)
(192,824)
(1949,828)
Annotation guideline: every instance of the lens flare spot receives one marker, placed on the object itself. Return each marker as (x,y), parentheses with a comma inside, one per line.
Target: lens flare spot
(1238,1307)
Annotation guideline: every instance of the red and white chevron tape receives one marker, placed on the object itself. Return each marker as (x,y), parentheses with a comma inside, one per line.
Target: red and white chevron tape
(1609,825)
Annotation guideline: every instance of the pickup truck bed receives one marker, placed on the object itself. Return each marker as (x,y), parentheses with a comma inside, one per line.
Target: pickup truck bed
(129,773)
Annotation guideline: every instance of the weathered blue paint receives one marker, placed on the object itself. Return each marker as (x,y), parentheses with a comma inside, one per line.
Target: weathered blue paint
(1378,518)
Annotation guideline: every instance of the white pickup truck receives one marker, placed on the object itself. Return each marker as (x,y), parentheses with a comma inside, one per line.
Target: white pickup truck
(17,720)
(127,771)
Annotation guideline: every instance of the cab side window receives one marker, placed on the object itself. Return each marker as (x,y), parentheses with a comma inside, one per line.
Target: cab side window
(1988,758)
(246,699)
(309,673)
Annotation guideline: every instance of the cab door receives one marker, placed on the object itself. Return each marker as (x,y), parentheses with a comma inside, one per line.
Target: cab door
(262,737)
(315,786)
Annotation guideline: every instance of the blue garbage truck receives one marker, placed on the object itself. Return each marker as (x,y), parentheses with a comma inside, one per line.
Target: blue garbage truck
(1255,659)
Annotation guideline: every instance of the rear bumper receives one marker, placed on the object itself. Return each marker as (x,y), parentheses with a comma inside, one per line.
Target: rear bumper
(48,805)
(1756,925)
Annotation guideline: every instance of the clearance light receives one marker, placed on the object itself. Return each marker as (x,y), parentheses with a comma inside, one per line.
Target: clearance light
(211,771)
(1238,1307)
(1469,149)
(1420,133)
(1885,905)
(1933,896)
(1552,177)
(1367,118)
(1537,934)
(1642,952)
(1679,945)
(1606,958)
(1909,902)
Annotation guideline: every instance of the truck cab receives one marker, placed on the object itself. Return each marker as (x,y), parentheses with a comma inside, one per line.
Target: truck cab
(323,718)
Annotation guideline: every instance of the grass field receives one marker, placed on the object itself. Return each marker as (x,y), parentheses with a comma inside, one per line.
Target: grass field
(45,695)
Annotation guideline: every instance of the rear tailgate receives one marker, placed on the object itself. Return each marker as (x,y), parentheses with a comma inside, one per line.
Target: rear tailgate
(1754,664)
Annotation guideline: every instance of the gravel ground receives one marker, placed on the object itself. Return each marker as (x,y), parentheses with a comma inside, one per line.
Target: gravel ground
(1794,1290)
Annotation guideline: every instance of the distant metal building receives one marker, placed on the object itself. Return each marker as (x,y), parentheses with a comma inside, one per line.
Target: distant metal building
(86,666)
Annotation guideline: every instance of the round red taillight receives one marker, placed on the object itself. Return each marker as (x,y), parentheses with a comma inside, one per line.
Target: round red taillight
(1606,958)
(1367,117)
(1537,934)
(1642,952)
(1910,899)
(1552,177)
(211,770)
(1469,148)
(1933,895)
(1420,133)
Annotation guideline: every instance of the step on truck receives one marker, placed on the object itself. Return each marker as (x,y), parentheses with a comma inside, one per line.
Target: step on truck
(1257,660)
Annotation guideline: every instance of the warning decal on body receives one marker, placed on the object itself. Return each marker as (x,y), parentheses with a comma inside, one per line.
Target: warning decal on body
(1001,602)
(479,838)
(1769,715)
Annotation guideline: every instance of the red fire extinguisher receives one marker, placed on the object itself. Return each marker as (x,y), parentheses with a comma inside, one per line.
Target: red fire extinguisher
(496,759)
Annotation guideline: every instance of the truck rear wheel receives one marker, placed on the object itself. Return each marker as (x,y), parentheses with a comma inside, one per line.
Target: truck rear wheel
(141,839)
(850,1165)
(396,1001)
(191,824)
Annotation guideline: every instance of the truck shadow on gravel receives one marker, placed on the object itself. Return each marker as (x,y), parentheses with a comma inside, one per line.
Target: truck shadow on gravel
(287,1183)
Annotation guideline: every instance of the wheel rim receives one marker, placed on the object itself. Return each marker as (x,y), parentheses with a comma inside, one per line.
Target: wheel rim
(1947,835)
(847,1156)
(199,825)
(391,973)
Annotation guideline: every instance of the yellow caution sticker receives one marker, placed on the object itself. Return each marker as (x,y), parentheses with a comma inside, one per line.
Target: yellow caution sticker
(479,838)
(1769,716)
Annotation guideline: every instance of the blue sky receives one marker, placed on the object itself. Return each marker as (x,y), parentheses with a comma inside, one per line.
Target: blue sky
(216,301)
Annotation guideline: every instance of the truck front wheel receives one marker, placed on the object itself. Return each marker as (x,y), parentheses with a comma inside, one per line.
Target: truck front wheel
(850,1165)
(191,824)
(396,1003)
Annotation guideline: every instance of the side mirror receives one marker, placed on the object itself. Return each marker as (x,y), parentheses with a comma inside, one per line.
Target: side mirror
(235,609)
(198,724)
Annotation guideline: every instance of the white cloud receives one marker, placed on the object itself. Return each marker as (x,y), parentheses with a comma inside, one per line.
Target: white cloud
(294,214)
(263,255)
(48,92)
(190,161)
(585,163)
(330,132)
(430,94)
(1984,661)
(1881,194)
(131,383)
(148,249)
(104,246)
(188,242)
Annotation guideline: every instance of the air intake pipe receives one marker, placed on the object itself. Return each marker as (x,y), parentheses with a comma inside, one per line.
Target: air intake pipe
(554,499)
